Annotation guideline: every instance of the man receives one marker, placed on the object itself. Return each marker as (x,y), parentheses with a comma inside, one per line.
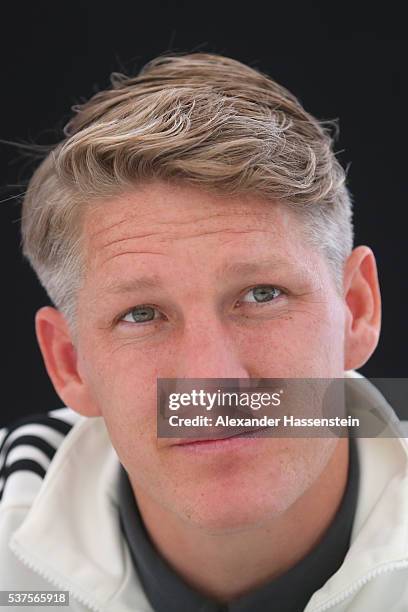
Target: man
(194,223)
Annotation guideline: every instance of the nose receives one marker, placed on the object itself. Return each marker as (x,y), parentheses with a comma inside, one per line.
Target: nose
(207,349)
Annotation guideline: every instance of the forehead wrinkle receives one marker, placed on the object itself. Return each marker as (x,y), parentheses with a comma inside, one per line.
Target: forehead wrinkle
(130,253)
(118,240)
(184,236)
(107,229)
(130,217)
(172,239)
(236,212)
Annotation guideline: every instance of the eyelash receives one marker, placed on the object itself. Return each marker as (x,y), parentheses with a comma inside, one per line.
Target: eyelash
(256,304)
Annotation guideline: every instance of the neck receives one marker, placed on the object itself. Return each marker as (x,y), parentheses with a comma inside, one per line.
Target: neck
(228,565)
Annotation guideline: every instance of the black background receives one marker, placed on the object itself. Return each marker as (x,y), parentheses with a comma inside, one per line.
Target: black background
(339,64)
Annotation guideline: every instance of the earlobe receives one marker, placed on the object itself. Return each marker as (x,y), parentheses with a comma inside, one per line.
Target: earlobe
(363,307)
(61,361)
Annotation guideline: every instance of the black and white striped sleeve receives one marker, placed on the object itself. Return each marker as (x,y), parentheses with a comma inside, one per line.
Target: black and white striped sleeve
(28,446)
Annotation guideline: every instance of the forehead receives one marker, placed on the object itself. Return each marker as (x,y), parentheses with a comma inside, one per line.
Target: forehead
(179,212)
(163,234)
(185,240)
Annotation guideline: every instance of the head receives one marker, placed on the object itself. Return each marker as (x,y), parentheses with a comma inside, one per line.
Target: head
(173,196)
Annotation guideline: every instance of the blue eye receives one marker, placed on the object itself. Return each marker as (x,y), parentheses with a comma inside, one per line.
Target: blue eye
(257,295)
(140,314)
(263,293)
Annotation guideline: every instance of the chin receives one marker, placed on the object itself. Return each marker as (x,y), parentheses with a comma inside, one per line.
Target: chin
(234,509)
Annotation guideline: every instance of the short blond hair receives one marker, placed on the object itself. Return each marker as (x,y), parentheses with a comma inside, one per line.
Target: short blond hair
(201,119)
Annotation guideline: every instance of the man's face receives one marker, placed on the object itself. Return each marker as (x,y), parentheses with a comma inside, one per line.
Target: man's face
(192,260)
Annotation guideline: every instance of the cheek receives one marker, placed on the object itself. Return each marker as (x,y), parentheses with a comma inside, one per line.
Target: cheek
(300,345)
(124,386)
(123,377)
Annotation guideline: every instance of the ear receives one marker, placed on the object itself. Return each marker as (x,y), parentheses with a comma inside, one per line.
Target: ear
(61,361)
(363,307)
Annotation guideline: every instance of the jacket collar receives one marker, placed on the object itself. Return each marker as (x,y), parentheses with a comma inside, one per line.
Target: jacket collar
(86,467)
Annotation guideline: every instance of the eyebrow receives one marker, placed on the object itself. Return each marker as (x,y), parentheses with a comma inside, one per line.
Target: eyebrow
(136,284)
(230,268)
(246,267)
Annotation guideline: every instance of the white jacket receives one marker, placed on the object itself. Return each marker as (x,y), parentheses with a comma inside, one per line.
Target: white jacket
(62,532)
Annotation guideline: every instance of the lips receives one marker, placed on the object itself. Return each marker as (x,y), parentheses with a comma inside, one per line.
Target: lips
(226,436)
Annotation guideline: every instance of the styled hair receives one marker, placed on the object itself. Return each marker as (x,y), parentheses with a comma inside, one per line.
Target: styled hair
(200,119)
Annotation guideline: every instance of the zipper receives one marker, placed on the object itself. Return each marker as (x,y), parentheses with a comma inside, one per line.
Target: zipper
(59,585)
(397,565)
